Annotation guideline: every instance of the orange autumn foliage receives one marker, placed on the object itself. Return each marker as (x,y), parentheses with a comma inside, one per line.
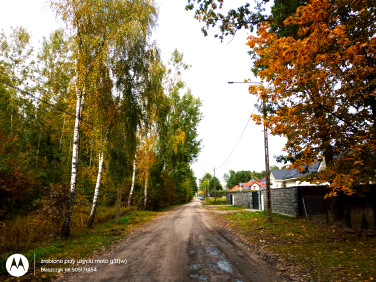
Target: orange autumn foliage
(321,87)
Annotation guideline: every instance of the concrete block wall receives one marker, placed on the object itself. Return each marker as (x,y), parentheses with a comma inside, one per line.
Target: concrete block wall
(284,200)
(243,199)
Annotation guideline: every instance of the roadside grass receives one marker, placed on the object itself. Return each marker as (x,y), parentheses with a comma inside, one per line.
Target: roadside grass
(26,232)
(228,208)
(211,201)
(80,244)
(329,253)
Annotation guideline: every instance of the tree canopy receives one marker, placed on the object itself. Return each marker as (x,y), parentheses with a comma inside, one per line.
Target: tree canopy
(321,89)
(316,60)
(102,80)
(233,178)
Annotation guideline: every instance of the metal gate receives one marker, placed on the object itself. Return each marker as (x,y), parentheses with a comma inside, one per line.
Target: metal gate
(255,200)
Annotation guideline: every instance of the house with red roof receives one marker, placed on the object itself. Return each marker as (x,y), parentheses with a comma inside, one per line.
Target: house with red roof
(251,185)
(256,185)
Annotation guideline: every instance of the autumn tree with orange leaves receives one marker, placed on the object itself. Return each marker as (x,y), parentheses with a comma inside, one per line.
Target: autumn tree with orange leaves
(320,88)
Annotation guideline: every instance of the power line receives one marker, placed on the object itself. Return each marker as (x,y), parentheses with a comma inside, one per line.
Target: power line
(237,143)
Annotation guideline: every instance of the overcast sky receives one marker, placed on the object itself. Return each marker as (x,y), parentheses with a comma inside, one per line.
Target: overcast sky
(226,107)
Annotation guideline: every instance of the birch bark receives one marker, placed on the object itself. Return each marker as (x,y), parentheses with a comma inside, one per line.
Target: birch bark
(133,180)
(65,230)
(96,191)
(146,191)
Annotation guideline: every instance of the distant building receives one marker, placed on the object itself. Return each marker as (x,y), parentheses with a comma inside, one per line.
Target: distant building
(281,178)
(251,185)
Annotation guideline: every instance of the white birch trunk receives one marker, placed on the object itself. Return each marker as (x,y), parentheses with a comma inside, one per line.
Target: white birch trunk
(133,180)
(96,191)
(65,231)
(146,192)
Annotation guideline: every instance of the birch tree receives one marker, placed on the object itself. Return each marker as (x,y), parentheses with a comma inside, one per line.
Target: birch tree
(146,160)
(98,27)
(96,191)
(133,182)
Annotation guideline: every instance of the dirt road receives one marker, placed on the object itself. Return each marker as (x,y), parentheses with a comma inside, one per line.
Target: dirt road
(182,245)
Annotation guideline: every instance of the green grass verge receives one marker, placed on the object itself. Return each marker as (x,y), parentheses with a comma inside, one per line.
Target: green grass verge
(211,201)
(230,208)
(80,244)
(330,254)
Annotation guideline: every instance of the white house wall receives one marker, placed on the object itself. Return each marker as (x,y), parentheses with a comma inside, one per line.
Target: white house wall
(255,187)
(289,183)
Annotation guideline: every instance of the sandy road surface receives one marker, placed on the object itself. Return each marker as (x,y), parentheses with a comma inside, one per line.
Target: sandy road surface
(182,245)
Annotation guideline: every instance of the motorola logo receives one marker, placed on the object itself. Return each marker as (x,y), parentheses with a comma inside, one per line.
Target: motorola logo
(17,265)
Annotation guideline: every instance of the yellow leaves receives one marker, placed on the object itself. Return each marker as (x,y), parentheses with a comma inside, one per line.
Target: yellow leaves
(179,139)
(257,118)
(315,11)
(146,156)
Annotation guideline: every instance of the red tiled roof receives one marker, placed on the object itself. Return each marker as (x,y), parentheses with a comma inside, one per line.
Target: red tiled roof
(258,182)
(235,188)
(241,186)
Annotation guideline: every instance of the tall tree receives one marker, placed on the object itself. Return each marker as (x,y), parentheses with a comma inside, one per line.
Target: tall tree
(96,191)
(321,90)
(180,115)
(238,177)
(99,27)
(218,185)
(204,184)
(133,182)
(146,160)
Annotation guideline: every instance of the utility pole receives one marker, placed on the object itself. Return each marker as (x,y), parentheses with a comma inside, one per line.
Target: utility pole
(267,168)
(215,188)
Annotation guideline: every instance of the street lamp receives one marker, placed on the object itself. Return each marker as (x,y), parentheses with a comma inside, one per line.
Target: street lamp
(267,169)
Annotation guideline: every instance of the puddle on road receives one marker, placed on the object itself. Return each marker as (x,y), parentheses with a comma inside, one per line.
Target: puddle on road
(212,261)
(202,277)
(195,266)
(212,266)
(213,251)
(225,266)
